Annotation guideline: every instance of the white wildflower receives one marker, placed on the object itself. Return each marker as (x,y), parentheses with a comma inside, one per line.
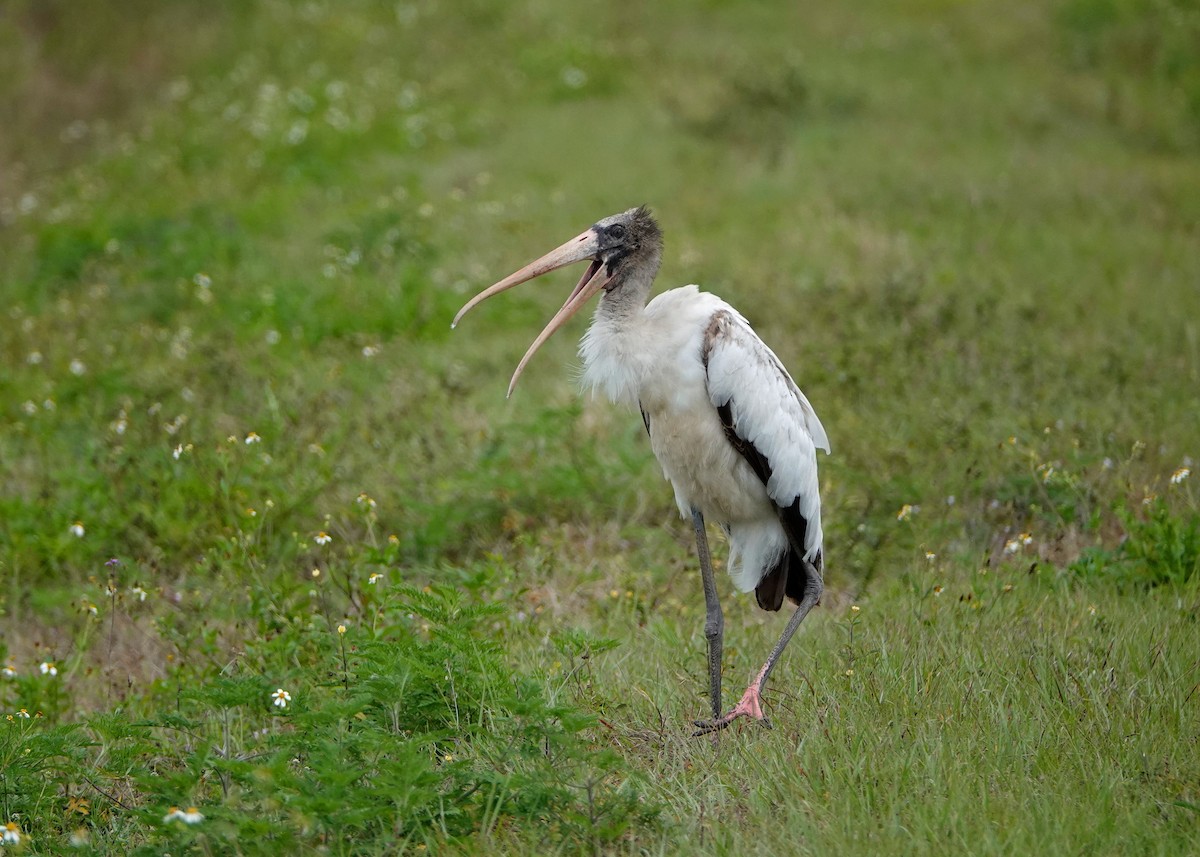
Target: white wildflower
(191,815)
(10,834)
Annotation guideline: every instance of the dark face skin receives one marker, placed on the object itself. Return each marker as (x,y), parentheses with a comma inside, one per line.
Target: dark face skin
(626,239)
(612,247)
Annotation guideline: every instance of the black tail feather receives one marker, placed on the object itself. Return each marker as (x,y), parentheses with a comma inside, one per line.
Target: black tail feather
(773,586)
(788,578)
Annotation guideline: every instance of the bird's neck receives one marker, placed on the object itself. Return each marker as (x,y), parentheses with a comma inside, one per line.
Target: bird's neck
(627,296)
(613,348)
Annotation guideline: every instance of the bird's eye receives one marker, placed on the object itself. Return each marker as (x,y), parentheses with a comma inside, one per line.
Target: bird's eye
(616,231)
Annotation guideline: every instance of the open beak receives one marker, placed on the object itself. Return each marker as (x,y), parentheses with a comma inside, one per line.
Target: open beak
(579,248)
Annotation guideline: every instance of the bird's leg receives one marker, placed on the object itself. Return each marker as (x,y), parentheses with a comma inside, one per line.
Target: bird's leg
(714,619)
(751,702)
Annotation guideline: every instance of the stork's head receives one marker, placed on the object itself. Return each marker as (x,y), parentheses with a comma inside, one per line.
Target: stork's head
(628,243)
(624,250)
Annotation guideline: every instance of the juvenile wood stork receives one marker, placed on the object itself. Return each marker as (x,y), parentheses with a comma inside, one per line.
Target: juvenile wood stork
(733,433)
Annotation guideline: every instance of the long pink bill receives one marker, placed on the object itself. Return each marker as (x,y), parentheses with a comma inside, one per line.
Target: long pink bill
(581,247)
(584,246)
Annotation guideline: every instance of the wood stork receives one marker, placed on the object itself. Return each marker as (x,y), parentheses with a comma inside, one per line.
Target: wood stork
(733,433)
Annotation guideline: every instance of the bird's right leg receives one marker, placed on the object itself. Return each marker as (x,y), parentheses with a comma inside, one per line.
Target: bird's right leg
(714,619)
(751,702)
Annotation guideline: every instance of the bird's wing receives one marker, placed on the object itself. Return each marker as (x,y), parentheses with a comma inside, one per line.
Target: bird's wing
(769,422)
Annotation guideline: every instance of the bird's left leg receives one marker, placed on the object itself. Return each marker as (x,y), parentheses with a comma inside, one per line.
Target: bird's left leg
(751,702)
(714,619)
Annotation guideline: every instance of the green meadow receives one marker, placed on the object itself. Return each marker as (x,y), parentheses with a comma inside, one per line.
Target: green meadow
(282,571)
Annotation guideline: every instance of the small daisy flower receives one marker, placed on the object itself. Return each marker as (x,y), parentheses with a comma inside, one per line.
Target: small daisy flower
(905,512)
(1180,475)
(48,668)
(191,815)
(10,834)
(374,578)
(930,555)
(322,538)
(280,698)
(854,608)
(253,437)
(86,606)
(1026,539)
(23,714)
(364,500)
(1012,546)
(76,529)
(9,671)
(138,592)
(937,590)
(77,367)
(393,539)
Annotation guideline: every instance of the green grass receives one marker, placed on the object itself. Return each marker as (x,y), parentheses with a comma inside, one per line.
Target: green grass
(970,230)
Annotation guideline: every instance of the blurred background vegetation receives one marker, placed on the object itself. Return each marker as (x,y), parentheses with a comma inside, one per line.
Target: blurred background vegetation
(232,236)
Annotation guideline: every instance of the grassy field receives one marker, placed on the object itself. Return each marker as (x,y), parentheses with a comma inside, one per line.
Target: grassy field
(283,572)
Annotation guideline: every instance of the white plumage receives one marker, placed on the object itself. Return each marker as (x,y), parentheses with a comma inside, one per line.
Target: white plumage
(654,360)
(733,433)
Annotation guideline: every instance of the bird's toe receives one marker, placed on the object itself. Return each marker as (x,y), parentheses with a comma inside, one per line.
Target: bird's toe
(707,727)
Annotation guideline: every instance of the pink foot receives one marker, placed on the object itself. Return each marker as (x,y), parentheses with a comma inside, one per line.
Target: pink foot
(750,706)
